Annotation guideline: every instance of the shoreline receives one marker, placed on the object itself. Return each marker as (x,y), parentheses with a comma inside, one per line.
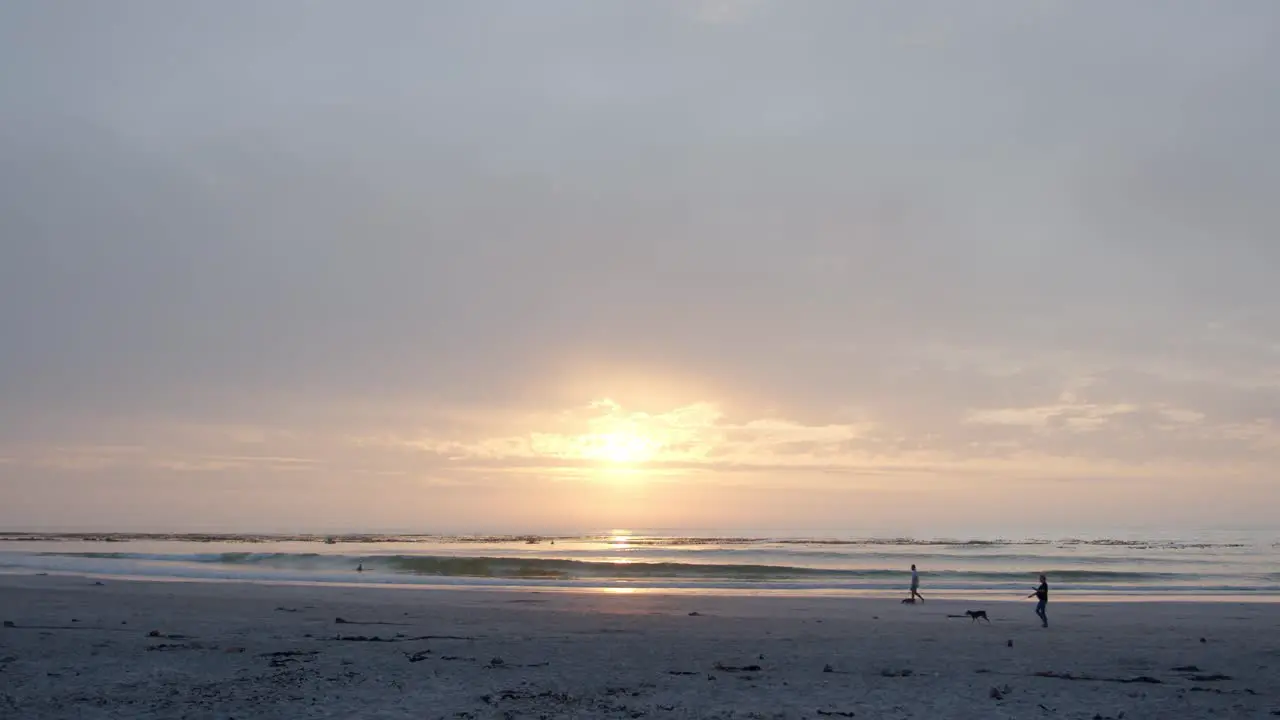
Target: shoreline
(1059,596)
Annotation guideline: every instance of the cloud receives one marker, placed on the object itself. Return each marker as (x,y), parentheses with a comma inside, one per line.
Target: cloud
(1077,417)
(90,458)
(233,462)
(790,246)
(725,12)
(697,435)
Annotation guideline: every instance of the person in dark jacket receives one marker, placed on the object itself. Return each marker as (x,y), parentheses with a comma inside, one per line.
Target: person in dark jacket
(915,585)
(1042,594)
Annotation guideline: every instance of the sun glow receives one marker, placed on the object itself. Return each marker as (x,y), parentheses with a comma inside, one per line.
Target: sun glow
(617,437)
(620,447)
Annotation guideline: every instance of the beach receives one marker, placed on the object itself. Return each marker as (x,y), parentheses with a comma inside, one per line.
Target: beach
(78,647)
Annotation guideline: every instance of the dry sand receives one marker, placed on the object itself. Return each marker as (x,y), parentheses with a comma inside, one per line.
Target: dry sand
(218,650)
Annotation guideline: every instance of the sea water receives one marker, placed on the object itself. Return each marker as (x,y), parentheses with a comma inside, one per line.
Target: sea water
(1227,566)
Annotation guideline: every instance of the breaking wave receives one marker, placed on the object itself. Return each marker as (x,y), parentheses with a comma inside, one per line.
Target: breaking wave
(949,566)
(566,569)
(644,541)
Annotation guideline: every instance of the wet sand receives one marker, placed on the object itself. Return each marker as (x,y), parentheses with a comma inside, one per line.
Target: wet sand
(121,649)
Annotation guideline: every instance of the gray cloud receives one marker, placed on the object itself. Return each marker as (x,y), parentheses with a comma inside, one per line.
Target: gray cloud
(339,223)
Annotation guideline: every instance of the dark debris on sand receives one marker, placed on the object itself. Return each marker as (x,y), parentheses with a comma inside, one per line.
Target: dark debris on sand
(551,703)
(168,647)
(1147,679)
(1216,677)
(396,638)
(737,668)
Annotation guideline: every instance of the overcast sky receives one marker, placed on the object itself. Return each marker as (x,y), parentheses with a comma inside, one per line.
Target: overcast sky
(915,267)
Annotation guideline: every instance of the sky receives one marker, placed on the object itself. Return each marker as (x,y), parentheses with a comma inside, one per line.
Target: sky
(828,266)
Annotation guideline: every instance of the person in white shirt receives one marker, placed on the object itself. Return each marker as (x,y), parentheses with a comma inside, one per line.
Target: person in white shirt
(915,584)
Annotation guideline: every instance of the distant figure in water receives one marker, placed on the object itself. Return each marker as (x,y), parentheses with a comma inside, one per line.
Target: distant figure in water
(915,585)
(360,567)
(1042,594)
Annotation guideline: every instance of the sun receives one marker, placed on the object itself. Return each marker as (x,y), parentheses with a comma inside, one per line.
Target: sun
(623,448)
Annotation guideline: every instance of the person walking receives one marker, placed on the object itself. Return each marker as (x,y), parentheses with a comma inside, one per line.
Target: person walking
(1042,594)
(915,585)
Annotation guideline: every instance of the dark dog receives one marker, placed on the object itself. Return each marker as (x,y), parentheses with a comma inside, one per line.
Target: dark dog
(909,601)
(976,615)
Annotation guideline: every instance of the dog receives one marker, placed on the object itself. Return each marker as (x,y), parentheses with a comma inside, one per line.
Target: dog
(909,601)
(976,615)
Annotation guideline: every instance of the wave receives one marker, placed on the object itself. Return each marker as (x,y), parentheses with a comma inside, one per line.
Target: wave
(568,569)
(639,540)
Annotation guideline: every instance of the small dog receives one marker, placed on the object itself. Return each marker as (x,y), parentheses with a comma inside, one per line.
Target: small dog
(976,615)
(909,601)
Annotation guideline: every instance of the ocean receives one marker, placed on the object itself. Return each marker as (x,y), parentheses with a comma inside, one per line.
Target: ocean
(1222,566)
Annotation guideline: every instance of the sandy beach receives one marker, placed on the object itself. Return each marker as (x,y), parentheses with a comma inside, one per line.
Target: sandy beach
(72,648)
